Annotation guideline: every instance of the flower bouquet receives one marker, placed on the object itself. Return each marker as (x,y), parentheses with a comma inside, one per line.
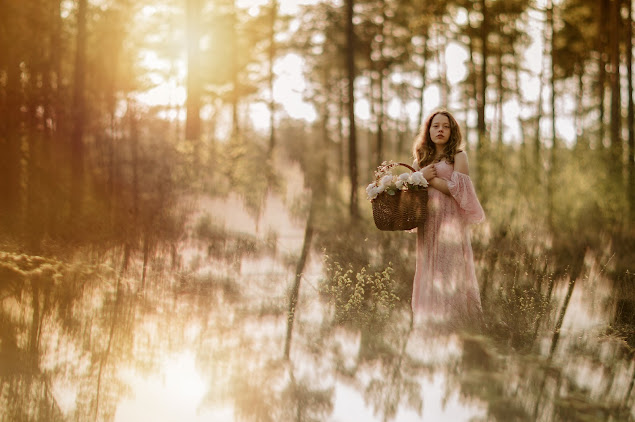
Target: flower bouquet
(399,201)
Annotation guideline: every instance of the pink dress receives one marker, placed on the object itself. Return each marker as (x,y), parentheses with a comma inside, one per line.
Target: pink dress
(445,286)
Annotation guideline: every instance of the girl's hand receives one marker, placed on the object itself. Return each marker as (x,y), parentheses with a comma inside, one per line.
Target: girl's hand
(429,172)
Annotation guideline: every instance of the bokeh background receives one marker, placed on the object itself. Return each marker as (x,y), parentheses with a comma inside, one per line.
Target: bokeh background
(185,235)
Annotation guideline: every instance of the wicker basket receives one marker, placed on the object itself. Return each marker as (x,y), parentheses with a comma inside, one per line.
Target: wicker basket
(404,210)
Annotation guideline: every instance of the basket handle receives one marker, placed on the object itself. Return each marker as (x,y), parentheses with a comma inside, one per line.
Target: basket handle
(391,165)
(408,166)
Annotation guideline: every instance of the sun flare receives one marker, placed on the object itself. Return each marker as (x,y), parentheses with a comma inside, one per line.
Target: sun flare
(175,393)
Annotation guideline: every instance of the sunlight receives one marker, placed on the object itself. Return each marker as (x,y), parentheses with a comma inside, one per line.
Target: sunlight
(456,57)
(173,394)
(164,92)
(289,87)
(182,378)
(288,7)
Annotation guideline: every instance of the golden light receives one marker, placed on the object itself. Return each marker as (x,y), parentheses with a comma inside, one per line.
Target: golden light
(175,393)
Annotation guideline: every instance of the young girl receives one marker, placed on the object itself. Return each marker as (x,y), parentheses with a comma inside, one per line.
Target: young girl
(445,285)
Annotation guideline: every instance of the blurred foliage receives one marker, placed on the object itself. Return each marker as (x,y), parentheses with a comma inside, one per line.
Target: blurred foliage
(138,274)
(230,246)
(360,298)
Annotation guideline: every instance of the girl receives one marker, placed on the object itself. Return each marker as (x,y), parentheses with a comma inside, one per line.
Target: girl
(445,285)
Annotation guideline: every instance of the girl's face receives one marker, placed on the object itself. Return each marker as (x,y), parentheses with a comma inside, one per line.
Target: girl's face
(440,130)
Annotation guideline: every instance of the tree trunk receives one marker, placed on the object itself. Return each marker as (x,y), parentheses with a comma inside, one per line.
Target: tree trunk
(79,114)
(614,79)
(272,57)
(134,146)
(403,122)
(537,134)
(352,138)
(380,118)
(481,93)
(577,117)
(10,129)
(295,290)
(324,148)
(340,131)
(630,169)
(442,65)
(563,311)
(554,146)
(105,355)
(193,101)
(499,101)
(234,68)
(146,257)
(59,122)
(37,96)
(602,44)
(473,80)
(423,84)
(378,66)
(481,98)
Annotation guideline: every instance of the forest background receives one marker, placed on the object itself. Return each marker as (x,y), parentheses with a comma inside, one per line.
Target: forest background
(85,159)
(119,119)
(92,158)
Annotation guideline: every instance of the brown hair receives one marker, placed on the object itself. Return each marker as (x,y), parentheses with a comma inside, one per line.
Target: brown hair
(423,149)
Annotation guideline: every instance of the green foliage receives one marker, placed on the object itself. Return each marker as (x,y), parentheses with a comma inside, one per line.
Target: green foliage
(240,167)
(516,313)
(360,298)
(230,246)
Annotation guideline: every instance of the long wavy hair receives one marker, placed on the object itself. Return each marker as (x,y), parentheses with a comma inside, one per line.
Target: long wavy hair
(423,149)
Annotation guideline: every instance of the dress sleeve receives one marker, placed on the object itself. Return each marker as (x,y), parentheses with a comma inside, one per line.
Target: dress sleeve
(462,190)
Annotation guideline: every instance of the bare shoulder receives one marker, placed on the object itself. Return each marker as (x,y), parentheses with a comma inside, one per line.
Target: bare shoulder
(460,163)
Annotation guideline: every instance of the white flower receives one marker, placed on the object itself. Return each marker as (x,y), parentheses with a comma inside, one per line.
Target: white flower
(373,190)
(385,181)
(417,178)
(402,181)
(369,188)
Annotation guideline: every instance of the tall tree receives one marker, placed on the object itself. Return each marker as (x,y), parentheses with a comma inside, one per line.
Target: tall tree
(79,112)
(352,135)
(554,145)
(12,22)
(194,88)
(630,170)
(481,94)
(273,18)
(602,30)
(614,83)
(235,94)
(386,26)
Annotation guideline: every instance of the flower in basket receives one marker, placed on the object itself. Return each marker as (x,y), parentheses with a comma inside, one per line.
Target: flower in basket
(385,181)
(417,179)
(402,180)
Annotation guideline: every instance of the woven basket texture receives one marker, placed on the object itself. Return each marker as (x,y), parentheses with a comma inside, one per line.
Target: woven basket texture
(404,210)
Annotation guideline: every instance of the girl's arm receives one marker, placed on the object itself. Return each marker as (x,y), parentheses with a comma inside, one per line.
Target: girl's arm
(462,190)
(440,185)
(460,165)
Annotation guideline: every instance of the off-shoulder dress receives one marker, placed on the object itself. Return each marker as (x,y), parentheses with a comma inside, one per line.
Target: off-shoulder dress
(445,285)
